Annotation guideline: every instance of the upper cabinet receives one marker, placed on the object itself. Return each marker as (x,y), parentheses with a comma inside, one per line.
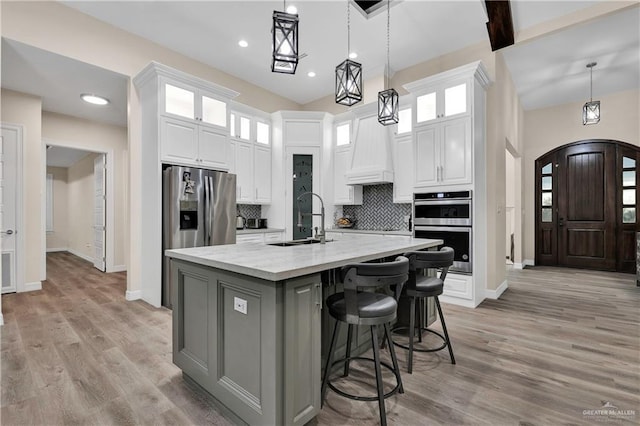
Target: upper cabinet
(342,154)
(250,131)
(185,117)
(449,122)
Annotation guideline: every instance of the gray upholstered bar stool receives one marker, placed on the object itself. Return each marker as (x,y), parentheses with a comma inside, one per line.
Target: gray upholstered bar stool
(420,287)
(367,308)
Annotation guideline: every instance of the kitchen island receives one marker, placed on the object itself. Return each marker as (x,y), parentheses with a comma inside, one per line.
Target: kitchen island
(247,320)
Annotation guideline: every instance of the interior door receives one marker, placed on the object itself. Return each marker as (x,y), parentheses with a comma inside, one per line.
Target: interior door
(8,204)
(99,222)
(586,206)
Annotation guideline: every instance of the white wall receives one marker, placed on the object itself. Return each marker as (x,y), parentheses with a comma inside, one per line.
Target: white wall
(58,239)
(549,128)
(80,185)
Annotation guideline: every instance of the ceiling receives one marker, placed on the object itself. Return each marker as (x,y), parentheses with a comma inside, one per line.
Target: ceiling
(546,71)
(59,156)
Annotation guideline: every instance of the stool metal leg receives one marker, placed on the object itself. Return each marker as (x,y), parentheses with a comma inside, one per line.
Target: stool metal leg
(412,326)
(327,366)
(420,318)
(376,359)
(444,328)
(348,353)
(394,359)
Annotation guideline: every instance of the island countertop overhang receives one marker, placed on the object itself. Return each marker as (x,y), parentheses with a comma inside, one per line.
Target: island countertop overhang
(281,263)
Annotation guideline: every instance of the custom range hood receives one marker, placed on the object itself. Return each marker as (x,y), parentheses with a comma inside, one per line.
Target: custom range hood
(371,162)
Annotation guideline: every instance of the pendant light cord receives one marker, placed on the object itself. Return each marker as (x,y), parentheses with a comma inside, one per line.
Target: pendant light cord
(386,86)
(348,29)
(591,84)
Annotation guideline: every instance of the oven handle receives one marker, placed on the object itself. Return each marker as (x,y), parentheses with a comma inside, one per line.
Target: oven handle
(443,228)
(443,202)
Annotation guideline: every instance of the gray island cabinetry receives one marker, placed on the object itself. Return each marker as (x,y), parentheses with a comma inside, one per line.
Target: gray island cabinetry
(247,321)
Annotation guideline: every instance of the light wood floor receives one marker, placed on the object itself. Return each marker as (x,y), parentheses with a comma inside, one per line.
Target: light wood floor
(558,343)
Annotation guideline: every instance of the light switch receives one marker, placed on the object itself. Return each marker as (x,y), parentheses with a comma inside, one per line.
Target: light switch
(240,305)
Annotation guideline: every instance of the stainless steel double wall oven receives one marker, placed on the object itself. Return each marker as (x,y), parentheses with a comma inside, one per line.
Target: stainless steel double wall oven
(446,216)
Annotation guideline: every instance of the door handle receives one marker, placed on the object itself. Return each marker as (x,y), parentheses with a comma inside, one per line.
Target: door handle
(8,232)
(561,221)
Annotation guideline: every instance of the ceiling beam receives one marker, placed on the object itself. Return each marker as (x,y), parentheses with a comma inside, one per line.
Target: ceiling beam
(500,24)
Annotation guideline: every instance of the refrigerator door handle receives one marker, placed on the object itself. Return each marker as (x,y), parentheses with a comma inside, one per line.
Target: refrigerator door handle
(207,211)
(210,215)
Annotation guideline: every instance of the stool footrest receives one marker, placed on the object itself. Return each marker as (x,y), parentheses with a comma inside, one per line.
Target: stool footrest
(415,349)
(395,390)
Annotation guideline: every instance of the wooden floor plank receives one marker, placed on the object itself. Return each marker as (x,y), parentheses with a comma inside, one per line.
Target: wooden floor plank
(558,342)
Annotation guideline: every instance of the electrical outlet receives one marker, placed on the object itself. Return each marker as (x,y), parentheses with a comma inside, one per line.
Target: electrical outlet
(240,305)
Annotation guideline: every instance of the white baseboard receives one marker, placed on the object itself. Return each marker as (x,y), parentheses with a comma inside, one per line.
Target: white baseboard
(1,319)
(118,268)
(528,262)
(133,295)
(495,294)
(517,266)
(457,301)
(49,250)
(80,255)
(33,286)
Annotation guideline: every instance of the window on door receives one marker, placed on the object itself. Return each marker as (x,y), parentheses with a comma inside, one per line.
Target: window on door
(628,190)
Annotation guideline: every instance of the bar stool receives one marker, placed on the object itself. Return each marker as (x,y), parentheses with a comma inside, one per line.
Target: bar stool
(422,287)
(366,308)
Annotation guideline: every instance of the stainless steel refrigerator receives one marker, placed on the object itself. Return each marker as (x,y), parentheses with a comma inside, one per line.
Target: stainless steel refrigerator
(198,209)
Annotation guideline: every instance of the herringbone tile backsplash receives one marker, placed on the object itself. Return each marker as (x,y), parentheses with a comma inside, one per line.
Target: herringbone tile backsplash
(250,211)
(378,212)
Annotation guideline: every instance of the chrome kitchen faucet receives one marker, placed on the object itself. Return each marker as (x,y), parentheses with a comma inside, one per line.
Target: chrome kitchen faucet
(320,235)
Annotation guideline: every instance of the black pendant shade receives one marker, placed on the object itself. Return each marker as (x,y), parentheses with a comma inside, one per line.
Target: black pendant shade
(388,107)
(348,83)
(285,42)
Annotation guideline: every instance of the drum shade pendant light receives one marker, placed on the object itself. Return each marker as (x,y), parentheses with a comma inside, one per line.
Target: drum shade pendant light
(591,110)
(284,35)
(348,74)
(388,98)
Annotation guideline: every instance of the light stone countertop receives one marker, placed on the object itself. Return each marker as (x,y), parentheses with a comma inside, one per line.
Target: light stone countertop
(275,263)
(370,231)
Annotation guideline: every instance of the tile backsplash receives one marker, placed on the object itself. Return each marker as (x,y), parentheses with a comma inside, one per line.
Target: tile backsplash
(378,212)
(250,211)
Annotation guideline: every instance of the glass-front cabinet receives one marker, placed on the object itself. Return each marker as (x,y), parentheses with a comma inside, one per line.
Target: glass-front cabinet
(444,101)
(187,102)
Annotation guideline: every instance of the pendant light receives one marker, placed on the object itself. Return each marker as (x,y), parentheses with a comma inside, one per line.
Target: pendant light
(591,109)
(388,98)
(284,34)
(348,74)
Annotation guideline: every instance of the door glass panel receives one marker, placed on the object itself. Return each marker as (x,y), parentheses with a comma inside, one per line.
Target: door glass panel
(214,111)
(547,214)
(426,107)
(404,121)
(232,124)
(179,101)
(629,215)
(342,134)
(628,163)
(546,183)
(262,133)
(245,128)
(546,169)
(629,196)
(546,198)
(455,100)
(629,178)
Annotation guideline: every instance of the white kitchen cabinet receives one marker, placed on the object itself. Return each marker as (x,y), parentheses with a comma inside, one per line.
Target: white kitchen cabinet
(262,173)
(184,142)
(260,237)
(444,153)
(192,103)
(343,151)
(443,101)
(403,169)
(244,172)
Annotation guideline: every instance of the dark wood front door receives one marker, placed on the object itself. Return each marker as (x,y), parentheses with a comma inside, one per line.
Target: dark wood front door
(585,206)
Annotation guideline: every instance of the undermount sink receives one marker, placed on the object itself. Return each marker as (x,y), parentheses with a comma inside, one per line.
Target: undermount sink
(296,242)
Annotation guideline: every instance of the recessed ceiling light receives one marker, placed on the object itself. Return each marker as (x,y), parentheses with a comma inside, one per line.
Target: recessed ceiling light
(311,74)
(243,43)
(353,55)
(94,99)
(291,9)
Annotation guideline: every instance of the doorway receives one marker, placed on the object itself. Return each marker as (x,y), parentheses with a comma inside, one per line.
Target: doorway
(305,153)
(586,208)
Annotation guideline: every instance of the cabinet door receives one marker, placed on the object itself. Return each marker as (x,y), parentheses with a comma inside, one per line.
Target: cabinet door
(211,110)
(403,165)
(213,148)
(178,99)
(262,170)
(244,172)
(343,193)
(454,99)
(179,141)
(456,151)
(426,158)
(232,156)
